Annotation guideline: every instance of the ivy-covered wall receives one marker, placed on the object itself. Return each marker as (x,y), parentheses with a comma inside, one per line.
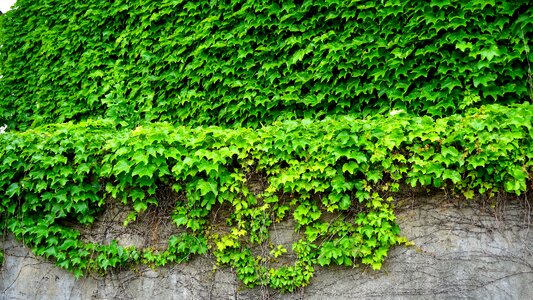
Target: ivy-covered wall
(234,63)
(334,107)
(64,174)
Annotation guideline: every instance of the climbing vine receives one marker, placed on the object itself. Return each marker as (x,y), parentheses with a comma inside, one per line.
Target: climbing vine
(250,63)
(336,179)
(335,105)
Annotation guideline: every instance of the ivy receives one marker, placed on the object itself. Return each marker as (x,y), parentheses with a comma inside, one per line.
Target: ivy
(249,63)
(336,105)
(341,166)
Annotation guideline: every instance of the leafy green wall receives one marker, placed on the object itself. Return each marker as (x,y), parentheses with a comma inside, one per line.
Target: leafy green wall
(117,101)
(65,173)
(234,63)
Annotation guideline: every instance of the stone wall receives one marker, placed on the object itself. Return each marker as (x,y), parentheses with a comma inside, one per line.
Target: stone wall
(462,250)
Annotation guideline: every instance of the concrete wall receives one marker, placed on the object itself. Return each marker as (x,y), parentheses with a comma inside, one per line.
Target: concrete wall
(463,250)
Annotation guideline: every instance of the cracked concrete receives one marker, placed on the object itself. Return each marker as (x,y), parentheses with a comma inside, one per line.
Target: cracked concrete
(463,250)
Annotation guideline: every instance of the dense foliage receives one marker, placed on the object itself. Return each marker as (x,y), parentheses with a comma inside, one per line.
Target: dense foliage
(232,63)
(58,173)
(117,101)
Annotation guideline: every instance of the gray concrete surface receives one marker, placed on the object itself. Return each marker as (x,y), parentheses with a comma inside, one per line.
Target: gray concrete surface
(464,250)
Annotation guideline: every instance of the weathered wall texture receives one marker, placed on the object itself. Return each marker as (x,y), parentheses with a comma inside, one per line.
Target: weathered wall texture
(463,250)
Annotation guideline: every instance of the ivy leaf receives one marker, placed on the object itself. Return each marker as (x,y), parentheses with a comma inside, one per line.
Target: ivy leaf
(490,53)
(140,156)
(349,167)
(139,206)
(380,253)
(324,260)
(51,251)
(345,202)
(376,265)
(122,166)
(359,156)
(440,3)
(299,55)
(137,194)
(463,45)
(144,170)
(81,207)
(450,152)
(13,189)
(453,175)
(484,79)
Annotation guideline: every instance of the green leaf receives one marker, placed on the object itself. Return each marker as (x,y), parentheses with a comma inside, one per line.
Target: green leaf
(13,189)
(453,175)
(490,53)
(484,79)
(137,194)
(463,45)
(349,167)
(122,166)
(450,152)
(299,55)
(140,206)
(345,203)
(143,170)
(440,3)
